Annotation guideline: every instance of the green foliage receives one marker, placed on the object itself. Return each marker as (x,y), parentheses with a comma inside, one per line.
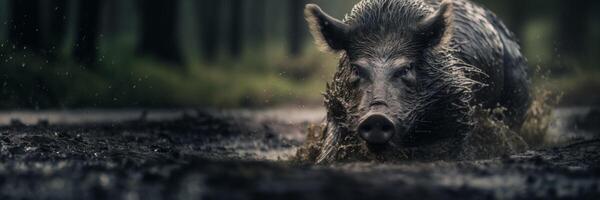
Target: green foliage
(30,81)
(264,73)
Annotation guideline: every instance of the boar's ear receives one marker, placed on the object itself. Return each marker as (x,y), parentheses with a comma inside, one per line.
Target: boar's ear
(329,33)
(437,27)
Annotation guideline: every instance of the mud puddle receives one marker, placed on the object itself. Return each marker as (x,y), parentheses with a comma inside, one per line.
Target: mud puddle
(245,154)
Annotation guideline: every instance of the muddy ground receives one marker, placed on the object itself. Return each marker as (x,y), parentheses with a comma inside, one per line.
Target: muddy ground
(208,154)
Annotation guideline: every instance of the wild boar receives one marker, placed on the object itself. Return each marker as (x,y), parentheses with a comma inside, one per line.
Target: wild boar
(412,73)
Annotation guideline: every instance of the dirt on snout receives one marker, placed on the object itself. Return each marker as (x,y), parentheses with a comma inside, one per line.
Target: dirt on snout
(249,155)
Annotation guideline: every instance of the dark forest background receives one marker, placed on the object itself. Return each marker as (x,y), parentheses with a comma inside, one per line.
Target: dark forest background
(230,53)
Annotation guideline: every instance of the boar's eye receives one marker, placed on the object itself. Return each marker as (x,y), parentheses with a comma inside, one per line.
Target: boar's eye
(358,71)
(402,72)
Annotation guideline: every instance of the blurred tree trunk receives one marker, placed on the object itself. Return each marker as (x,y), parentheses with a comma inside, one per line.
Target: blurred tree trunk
(110,17)
(86,42)
(594,36)
(573,26)
(25,23)
(118,21)
(4,17)
(296,26)
(159,30)
(110,20)
(235,30)
(276,29)
(224,18)
(256,23)
(209,27)
(53,25)
(518,16)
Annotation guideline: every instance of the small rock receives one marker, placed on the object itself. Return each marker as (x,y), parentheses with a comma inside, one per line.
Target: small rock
(16,123)
(43,122)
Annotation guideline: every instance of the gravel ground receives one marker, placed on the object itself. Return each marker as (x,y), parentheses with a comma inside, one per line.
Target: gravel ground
(190,154)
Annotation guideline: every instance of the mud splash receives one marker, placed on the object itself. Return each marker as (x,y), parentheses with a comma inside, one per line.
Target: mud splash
(490,137)
(540,117)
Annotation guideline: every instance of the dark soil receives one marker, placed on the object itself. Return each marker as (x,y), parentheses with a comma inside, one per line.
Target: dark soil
(210,155)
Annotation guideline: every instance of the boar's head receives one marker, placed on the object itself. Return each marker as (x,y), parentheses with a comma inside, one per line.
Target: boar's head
(397,83)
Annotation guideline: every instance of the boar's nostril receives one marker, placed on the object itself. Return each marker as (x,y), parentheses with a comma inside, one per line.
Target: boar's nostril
(376,129)
(386,127)
(366,128)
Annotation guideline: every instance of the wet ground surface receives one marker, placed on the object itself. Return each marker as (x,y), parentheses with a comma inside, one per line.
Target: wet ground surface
(193,154)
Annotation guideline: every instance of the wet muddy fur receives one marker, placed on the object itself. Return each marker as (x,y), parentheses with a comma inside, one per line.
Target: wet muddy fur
(472,81)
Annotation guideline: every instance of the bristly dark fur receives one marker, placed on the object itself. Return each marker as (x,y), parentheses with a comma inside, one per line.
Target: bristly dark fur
(452,79)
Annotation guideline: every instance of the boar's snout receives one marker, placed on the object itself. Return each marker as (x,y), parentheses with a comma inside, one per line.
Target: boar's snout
(376,128)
